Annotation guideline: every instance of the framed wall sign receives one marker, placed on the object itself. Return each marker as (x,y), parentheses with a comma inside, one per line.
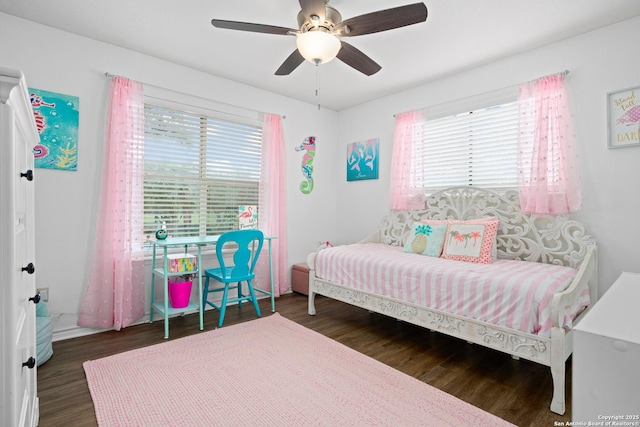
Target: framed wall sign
(623,115)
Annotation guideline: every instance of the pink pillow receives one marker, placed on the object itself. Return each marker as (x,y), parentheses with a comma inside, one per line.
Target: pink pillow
(471,241)
(437,222)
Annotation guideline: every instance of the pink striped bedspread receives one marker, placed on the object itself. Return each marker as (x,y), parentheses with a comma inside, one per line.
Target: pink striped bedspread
(512,294)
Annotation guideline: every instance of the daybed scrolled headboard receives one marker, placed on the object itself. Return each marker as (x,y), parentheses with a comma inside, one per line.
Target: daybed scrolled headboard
(552,239)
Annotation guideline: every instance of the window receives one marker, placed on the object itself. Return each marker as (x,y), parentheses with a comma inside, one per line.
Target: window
(198,170)
(477,147)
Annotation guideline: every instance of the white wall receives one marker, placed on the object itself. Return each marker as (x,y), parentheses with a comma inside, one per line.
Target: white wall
(599,62)
(66,202)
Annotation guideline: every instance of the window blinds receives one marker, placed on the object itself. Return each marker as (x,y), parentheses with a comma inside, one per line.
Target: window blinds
(198,171)
(478,148)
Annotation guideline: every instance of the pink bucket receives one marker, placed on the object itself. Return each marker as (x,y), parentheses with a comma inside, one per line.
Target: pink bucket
(179,294)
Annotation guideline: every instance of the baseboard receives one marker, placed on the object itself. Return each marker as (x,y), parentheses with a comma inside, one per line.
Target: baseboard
(75,332)
(65,325)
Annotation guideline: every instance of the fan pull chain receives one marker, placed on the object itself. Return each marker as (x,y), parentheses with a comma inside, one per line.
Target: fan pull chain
(318,84)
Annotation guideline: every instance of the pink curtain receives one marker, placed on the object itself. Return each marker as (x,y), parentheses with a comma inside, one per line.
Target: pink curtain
(547,167)
(272,205)
(407,180)
(114,295)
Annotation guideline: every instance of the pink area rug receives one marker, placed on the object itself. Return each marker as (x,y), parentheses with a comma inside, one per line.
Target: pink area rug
(266,372)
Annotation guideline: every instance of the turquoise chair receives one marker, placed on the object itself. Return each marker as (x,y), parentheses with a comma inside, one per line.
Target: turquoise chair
(247,245)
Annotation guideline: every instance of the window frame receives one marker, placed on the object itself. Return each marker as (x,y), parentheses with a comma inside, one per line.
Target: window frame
(466,106)
(162,98)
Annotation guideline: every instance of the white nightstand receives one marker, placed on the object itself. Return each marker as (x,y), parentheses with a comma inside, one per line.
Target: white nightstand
(606,357)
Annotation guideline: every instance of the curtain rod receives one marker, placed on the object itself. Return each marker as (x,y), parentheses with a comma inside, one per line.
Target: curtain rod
(564,74)
(109,75)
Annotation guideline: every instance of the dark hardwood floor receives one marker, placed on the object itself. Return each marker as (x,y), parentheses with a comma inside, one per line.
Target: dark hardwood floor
(518,391)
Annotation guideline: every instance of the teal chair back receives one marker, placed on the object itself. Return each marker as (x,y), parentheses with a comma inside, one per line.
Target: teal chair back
(246,245)
(249,244)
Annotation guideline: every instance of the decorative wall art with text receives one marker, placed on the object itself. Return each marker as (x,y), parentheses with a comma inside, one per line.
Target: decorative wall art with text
(624,117)
(57,121)
(247,217)
(362,160)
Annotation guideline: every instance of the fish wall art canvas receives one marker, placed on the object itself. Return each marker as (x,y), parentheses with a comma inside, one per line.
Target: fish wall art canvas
(57,119)
(362,160)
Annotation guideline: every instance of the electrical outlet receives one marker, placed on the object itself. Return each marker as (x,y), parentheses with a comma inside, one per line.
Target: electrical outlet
(44,294)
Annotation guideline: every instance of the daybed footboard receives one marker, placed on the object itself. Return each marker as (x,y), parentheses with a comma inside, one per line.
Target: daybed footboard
(530,238)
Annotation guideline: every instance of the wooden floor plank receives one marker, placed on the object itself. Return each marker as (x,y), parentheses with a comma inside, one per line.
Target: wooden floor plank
(517,391)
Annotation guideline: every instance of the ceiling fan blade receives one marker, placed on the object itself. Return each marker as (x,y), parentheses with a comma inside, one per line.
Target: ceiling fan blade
(383,20)
(313,7)
(254,28)
(356,59)
(290,64)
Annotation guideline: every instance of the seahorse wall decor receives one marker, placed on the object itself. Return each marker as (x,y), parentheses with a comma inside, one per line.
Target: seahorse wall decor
(309,147)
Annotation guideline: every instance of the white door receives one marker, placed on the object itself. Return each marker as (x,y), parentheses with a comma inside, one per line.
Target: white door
(18,286)
(25,283)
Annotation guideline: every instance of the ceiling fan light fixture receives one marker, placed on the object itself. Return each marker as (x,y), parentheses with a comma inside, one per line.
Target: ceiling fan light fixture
(318,47)
(320,25)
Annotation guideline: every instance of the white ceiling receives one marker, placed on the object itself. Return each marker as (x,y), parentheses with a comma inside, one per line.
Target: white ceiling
(457,35)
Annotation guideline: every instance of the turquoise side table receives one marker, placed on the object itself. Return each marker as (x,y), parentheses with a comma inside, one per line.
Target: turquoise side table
(163,307)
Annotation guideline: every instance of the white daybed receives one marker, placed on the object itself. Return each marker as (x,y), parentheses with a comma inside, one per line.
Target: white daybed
(550,239)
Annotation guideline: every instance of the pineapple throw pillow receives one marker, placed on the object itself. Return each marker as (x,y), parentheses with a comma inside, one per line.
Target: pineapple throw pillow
(426,239)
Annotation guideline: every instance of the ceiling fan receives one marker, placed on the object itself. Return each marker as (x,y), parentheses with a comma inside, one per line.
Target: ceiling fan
(321,25)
